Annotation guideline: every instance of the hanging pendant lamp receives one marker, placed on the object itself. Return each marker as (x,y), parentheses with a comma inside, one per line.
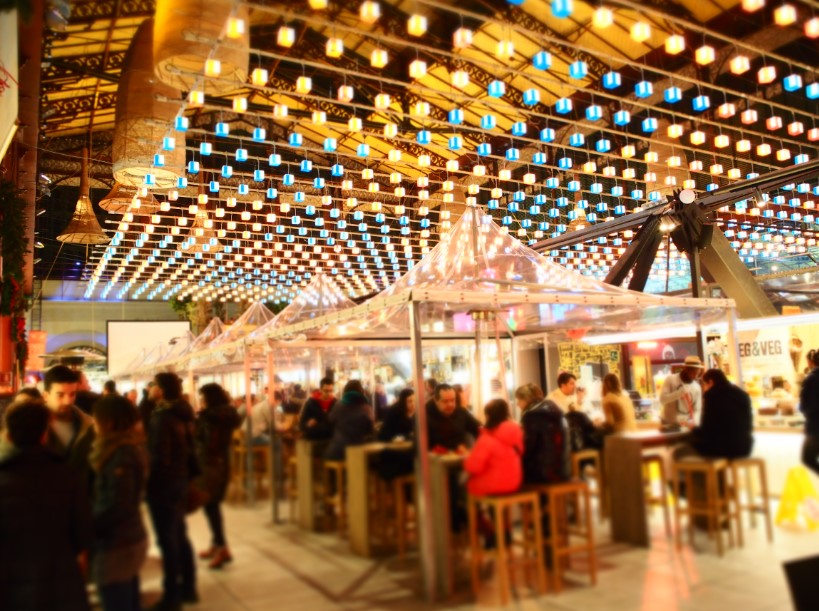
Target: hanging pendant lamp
(121,200)
(84,227)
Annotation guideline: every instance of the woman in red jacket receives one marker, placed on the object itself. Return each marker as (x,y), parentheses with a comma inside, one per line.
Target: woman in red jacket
(494,464)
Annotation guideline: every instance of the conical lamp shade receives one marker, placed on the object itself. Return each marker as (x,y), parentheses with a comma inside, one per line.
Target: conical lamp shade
(84,227)
(120,199)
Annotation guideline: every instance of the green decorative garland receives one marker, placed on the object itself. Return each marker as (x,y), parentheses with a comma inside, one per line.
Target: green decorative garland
(13,301)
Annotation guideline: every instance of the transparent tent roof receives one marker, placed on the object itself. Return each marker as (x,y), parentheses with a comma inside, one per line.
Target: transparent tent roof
(214,329)
(251,319)
(479,267)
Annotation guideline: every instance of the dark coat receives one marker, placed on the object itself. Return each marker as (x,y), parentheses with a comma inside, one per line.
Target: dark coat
(453,431)
(85,400)
(314,410)
(725,429)
(45,521)
(78,449)
(171,459)
(214,438)
(809,402)
(146,408)
(396,424)
(583,435)
(545,444)
(352,423)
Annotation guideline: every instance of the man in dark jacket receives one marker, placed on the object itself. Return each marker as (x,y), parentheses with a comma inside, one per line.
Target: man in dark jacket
(725,429)
(71,432)
(314,422)
(172,464)
(809,406)
(45,518)
(546,447)
(450,427)
(352,421)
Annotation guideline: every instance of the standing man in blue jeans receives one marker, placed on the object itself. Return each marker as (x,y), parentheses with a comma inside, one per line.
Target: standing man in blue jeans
(172,466)
(809,406)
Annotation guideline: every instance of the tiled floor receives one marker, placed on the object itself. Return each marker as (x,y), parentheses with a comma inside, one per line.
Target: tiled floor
(283,568)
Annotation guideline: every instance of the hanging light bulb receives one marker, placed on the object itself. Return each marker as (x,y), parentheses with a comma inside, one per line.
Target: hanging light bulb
(370,11)
(418,69)
(213,67)
(345,93)
(812,27)
(722,141)
(785,15)
(462,38)
(379,58)
(766,74)
(319,117)
(460,79)
(675,44)
(259,77)
(705,55)
(674,130)
(505,49)
(740,64)
(602,18)
(286,36)
(640,31)
(334,47)
(417,25)
(235,27)
(697,137)
(749,6)
(304,84)
(743,146)
(382,101)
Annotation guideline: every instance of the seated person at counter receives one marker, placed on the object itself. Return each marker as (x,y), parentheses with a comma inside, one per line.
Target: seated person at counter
(450,428)
(727,419)
(780,392)
(314,422)
(809,406)
(583,434)
(617,406)
(545,437)
(494,464)
(564,396)
(351,419)
(681,395)
(398,425)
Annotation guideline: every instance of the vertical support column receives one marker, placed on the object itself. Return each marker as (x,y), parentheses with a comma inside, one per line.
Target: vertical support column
(732,339)
(192,388)
(251,493)
(423,477)
(276,467)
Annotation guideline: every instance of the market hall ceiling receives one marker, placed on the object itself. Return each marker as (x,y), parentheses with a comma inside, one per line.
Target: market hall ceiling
(571,108)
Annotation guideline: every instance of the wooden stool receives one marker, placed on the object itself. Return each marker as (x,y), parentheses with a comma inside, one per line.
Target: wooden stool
(717,505)
(292,487)
(577,473)
(745,466)
(402,526)
(334,505)
(532,540)
(652,499)
(559,497)
(261,468)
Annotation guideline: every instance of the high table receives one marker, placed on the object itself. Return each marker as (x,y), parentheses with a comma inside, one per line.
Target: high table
(359,462)
(306,452)
(624,479)
(442,467)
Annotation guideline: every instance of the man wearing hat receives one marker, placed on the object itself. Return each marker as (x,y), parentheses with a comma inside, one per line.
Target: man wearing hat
(681,394)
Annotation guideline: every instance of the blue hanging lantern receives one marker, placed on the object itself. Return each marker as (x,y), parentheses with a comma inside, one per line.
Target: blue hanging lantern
(519,196)
(622,117)
(306,165)
(363,150)
(540,199)
(701,103)
(643,89)
(181,124)
(531,97)
(423,137)
(512,154)
(619,209)
(542,60)
(792,82)
(168,143)
(513,207)
(612,80)
(496,89)
(455,143)
(594,112)
(649,125)
(553,182)
(636,194)
(547,134)
(181,182)
(519,128)
(243,189)
(241,154)
(213,186)
(337,170)
(318,182)
(562,8)
(298,196)
(274,160)
(812,91)
(617,191)
(330,144)
(484,149)
(573,185)
(205,148)
(602,207)
(578,69)
(563,106)
(296,139)
(534,210)
(259,134)
(564,163)
(272,193)
(554,213)
(603,145)
(492,204)
(227,171)
(288,180)
(222,129)
(577,139)
(539,158)
(672,95)
(456,116)
(159,160)
(488,121)
(562,202)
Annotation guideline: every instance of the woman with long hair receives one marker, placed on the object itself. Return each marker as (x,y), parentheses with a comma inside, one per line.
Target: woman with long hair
(119,459)
(617,406)
(213,437)
(494,464)
(399,424)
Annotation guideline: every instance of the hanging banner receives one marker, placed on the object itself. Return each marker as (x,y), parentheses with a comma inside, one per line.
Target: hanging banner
(36,347)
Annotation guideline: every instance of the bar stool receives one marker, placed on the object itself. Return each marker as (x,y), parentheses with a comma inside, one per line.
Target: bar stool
(654,500)
(597,476)
(532,540)
(292,486)
(717,505)
(334,505)
(746,466)
(403,526)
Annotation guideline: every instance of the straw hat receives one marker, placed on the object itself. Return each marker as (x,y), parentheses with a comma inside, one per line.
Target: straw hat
(694,362)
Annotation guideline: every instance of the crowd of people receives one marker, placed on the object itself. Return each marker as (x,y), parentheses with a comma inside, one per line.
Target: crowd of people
(72,478)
